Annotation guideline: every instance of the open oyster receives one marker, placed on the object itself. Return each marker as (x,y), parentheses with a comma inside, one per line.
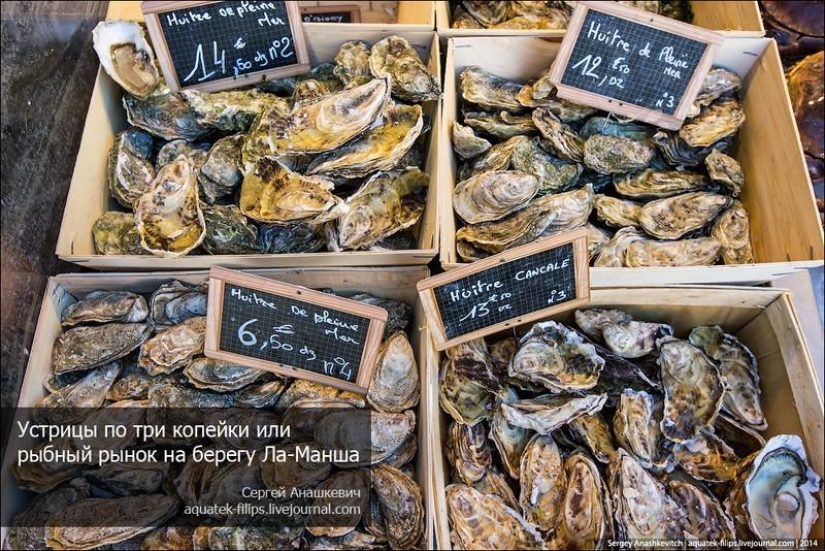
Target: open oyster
(542,481)
(128,171)
(614,252)
(652,183)
(560,139)
(492,195)
(401,505)
(703,251)
(637,426)
(394,58)
(633,339)
(395,384)
(126,56)
(466,143)
(707,457)
(167,116)
(719,120)
(229,111)
(674,217)
(732,230)
(173,303)
(548,413)
(116,233)
(489,91)
(172,349)
(585,519)
(615,154)
(228,231)
(105,307)
(615,212)
(220,172)
(706,520)
(352,63)
(168,215)
(82,348)
(468,451)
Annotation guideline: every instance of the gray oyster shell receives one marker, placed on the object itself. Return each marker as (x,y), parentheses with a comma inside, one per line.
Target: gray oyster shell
(675,217)
(706,518)
(463,397)
(637,426)
(298,237)
(510,441)
(295,474)
(732,230)
(468,451)
(124,479)
(395,384)
(703,251)
(726,171)
(336,525)
(609,126)
(718,82)
(228,231)
(560,139)
(489,91)
(678,154)
(82,348)
(491,195)
(720,120)
(591,320)
(167,116)
(633,339)
(548,413)
(345,430)
(615,212)
(220,376)
(126,56)
(194,152)
(221,172)
(229,111)
(251,537)
(616,154)
(466,143)
(502,125)
(174,302)
(402,506)
(115,233)
(260,396)
(597,238)
(554,175)
(174,348)
(614,252)
(497,157)
(352,63)
(394,58)
(129,171)
(105,307)
(543,482)
(654,184)
(28,528)
(89,392)
(44,476)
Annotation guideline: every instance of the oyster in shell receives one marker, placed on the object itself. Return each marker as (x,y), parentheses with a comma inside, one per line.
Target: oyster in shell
(116,233)
(597,238)
(719,120)
(85,347)
(461,392)
(260,396)
(167,116)
(173,349)
(481,522)
(585,519)
(134,384)
(502,125)
(328,123)
(703,251)
(194,152)
(557,357)
(44,476)
(633,339)
(718,82)
(395,59)
(618,213)
(129,172)
(616,154)
(705,517)
(510,440)
(654,184)
(400,313)
(463,20)
(302,388)
(742,439)
(301,472)
(124,479)
(548,413)
(560,139)
(74,402)
(379,148)
(466,143)
(273,193)
(250,537)
(173,303)
(105,307)
(172,538)
(497,157)
(679,155)
(707,457)
(637,426)
(385,204)
(293,238)
(352,63)
(554,175)
(738,366)
(229,111)
(488,13)
(614,252)
(566,111)
(594,432)
(732,230)
(403,454)
(674,217)
(609,126)
(228,231)
(493,483)
(591,320)
(126,56)
(221,172)
(28,528)
(344,430)
(219,375)
(468,451)
(168,215)
(693,387)
(492,195)
(402,506)
(395,384)
(543,482)
(489,91)
(256,143)
(726,171)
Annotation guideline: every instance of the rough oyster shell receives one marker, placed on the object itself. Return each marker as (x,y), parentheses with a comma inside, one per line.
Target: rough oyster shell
(394,58)
(616,154)
(707,457)
(654,184)
(400,313)
(126,56)
(116,233)
(302,388)
(719,120)
(488,13)
(260,396)
(256,144)
(718,82)
(228,231)
(221,172)
(105,307)
(395,384)
(44,476)
(585,520)
(492,195)
(489,91)
(229,111)
(352,63)
(637,426)
(194,152)
(543,482)
(173,303)
(679,155)
(89,392)
(170,537)
(706,519)
(554,175)
(463,20)
(510,440)
(609,126)
(250,537)
(82,348)
(732,230)
(466,143)
(591,320)
(28,528)
(493,483)
(633,339)
(124,479)
(597,238)
(401,505)
(172,349)
(468,451)
(674,217)
(726,171)
(502,125)
(460,392)
(594,432)
(219,375)
(560,139)
(693,387)
(614,252)
(345,430)
(167,116)
(497,157)
(358,481)
(290,238)
(548,413)
(273,193)
(703,251)
(618,213)
(129,172)
(300,473)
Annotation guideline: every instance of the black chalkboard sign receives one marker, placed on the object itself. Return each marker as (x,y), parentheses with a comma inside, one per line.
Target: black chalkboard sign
(331,14)
(508,289)
(217,45)
(292,330)
(632,62)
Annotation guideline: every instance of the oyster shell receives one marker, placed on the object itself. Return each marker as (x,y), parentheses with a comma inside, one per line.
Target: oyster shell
(273,193)
(344,430)
(228,231)
(172,349)
(401,505)
(404,454)
(726,171)
(614,252)
(463,20)
(488,13)
(616,154)
(489,91)
(543,482)
(173,303)
(105,307)
(167,116)
(679,155)
(732,230)
(653,184)
(352,63)
(497,157)
(82,348)
(742,439)
(195,153)
(468,451)
(615,212)
(637,426)
(220,376)
(170,537)
(510,440)
(594,432)
(126,56)
(256,144)
(466,143)
(394,58)
(585,520)
(502,125)
(591,320)
(379,148)
(129,172)
(386,203)
(28,528)
(74,402)
(481,521)
(302,388)
(703,251)
(299,473)
(493,483)
(718,82)
(674,217)
(251,537)
(260,396)
(461,393)
(400,313)
(229,111)
(548,413)
(492,195)
(221,172)
(44,476)
(554,175)
(707,457)
(633,339)
(557,357)
(168,215)
(706,519)
(597,238)
(560,139)
(293,238)
(719,120)
(395,384)
(116,233)
(609,126)
(693,387)
(124,479)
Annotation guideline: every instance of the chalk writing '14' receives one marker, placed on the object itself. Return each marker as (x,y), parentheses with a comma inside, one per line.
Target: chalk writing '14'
(280,48)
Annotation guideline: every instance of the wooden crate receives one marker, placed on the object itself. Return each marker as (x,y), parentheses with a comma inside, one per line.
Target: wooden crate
(397,283)
(89,196)
(785,229)
(733,18)
(763,319)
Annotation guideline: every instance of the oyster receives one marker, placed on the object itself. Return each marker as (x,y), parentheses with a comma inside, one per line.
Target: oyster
(706,519)
(75,402)
(194,152)
(404,454)
(718,82)
(344,430)
(394,58)
(134,384)
(173,303)
(616,154)
(678,154)
(633,339)
(497,157)
(221,172)
(126,56)
(352,63)
(703,251)
(166,116)
(493,483)
(28,528)
(609,126)
(170,537)
(548,413)
(481,521)
(82,348)
(328,123)
(557,357)
(168,215)
(707,457)
(732,230)
(302,388)
(503,125)
(489,91)
(726,171)
(251,537)
(463,20)
(44,476)
(597,238)
(400,313)
(105,307)
(542,481)
(737,365)
(652,184)
(71,527)
(614,252)
(273,193)
(124,479)
(674,217)
(116,233)
(560,139)
(591,320)
(129,172)
(719,120)
(379,148)
(554,175)
(334,524)
(637,426)
(618,213)
(585,519)
(468,451)
(172,349)
(693,389)
(395,384)
(301,472)
(462,390)
(220,376)
(228,231)
(293,238)
(510,440)
(742,439)
(492,195)
(594,432)
(401,505)
(229,111)
(488,13)
(354,540)
(466,143)
(256,143)
(260,396)
(386,203)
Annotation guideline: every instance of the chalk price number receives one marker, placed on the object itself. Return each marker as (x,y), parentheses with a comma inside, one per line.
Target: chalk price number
(280,49)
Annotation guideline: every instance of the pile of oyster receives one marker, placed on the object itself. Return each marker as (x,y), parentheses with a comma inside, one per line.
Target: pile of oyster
(550,15)
(617,429)
(329,160)
(533,164)
(120,352)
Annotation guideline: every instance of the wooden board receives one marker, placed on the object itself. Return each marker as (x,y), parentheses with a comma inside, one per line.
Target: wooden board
(213,46)
(346,13)
(633,63)
(522,284)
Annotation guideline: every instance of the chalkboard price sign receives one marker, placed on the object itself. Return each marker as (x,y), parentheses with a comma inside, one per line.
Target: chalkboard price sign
(291,330)
(633,63)
(213,46)
(331,14)
(508,289)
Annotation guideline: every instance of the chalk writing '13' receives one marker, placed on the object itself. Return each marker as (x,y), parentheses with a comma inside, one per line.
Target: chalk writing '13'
(280,49)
